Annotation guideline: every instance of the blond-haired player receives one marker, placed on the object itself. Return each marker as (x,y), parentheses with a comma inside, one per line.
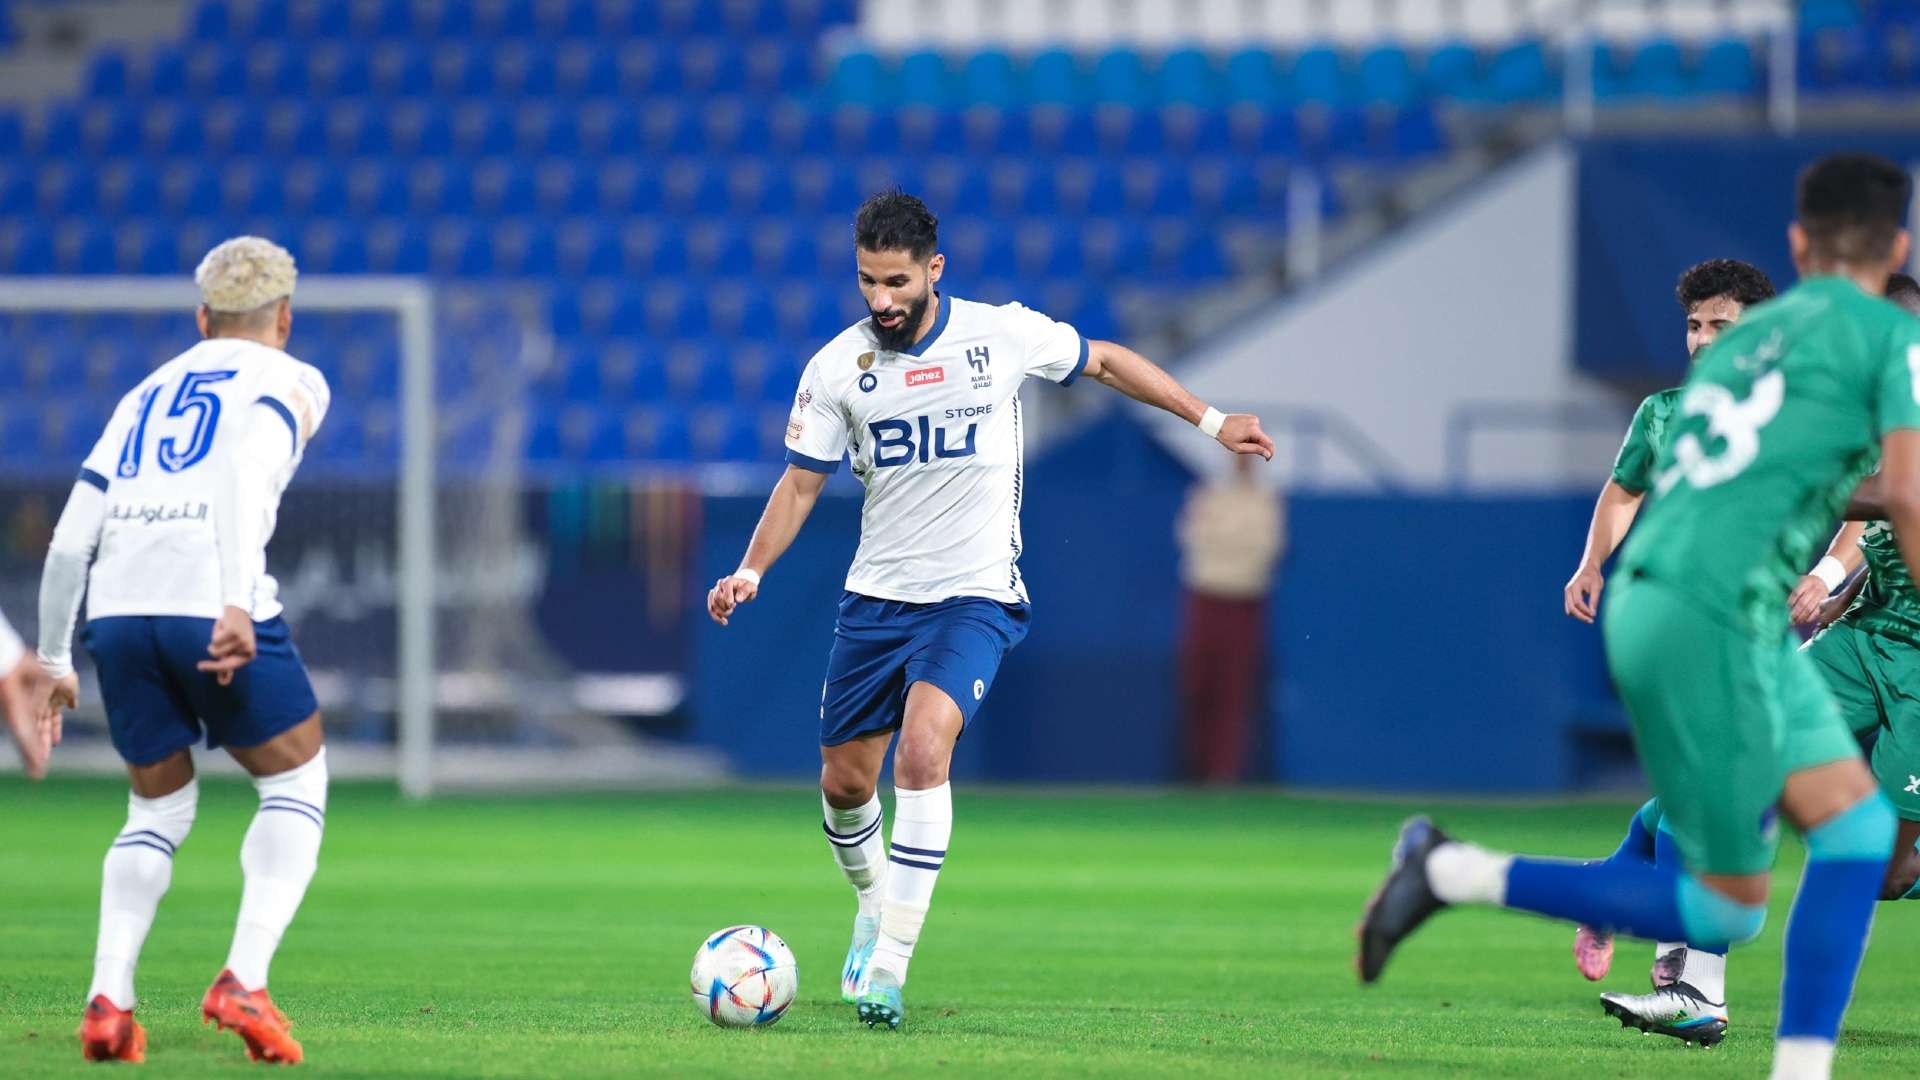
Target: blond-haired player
(166,533)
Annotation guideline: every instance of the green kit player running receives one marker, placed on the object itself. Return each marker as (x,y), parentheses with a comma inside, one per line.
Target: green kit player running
(1779,421)
(1874,650)
(1712,295)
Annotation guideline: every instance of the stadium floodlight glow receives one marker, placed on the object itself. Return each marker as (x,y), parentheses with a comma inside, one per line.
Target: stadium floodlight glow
(411,301)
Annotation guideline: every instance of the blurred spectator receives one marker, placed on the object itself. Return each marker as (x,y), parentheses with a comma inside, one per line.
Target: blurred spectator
(1232,532)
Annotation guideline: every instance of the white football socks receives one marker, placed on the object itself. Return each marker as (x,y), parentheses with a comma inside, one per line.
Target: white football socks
(922,825)
(1802,1058)
(860,848)
(138,869)
(1465,874)
(1707,973)
(278,857)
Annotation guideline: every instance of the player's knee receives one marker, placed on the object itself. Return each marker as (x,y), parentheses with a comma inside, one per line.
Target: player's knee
(845,787)
(1713,921)
(1862,832)
(919,764)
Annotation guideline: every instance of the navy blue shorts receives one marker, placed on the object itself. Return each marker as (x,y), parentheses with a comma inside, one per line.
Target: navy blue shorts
(882,647)
(157,701)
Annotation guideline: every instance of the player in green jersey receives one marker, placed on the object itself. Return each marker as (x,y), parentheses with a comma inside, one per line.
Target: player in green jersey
(1779,421)
(1712,295)
(1865,661)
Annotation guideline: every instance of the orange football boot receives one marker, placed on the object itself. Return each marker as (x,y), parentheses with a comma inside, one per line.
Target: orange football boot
(252,1015)
(110,1033)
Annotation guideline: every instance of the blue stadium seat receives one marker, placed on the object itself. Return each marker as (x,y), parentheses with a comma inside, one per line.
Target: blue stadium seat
(1386,77)
(356,128)
(1518,73)
(563,186)
(275,70)
(295,128)
(1047,248)
(1254,131)
(1320,77)
(210,21)
(859,78)
(171,129)
(1658,70)
(923,79)
(1120,77)
(655,433)
(12,132)
(1452,71)
(989,78)
(1252,78)
(340,70)
(782,249)
(669,127)
(1187,77)
(777,67)
(400,69)
(232,129)
(216,72)
(107,74)
(189,188)
(307,22)
(144,249)
(249,188)
(1817,15)
(628,186)
(1053,78)
(1127,130)
(1062,132)
(584,69)
(82,247)
(397,247)
(16,189)
(334,247)
(380,19)
(655,247)
(375,188)
(1113,249)
(1017,188)
(110,128)
(482,128)
(312,188)
(958,186)
(437,19)
(164,75)
(1187,130)
(719,248)
(523,249)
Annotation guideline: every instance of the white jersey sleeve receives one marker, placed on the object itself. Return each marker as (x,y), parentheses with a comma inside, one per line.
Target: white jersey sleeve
(817,429)
(1054,351)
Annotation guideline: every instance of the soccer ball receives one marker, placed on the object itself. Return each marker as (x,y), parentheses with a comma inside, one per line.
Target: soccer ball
(744,976)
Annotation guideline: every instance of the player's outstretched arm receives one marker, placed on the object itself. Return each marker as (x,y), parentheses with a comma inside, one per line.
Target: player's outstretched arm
(63,580)
(787,509)
(23,684)
(1145,381)
(1613,515)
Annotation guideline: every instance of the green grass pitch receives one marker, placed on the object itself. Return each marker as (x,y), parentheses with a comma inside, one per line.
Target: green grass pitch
(1074,934)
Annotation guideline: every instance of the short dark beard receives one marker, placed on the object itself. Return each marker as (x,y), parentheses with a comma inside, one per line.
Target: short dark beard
(900,338)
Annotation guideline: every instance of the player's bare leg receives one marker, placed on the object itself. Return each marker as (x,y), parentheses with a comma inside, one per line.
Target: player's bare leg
(922,824)
(1903,871)
(849,775)
(136,874)
(279,855)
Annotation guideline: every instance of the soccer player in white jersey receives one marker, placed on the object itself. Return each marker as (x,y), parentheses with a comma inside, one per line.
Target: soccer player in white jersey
(166,532)
(923,396)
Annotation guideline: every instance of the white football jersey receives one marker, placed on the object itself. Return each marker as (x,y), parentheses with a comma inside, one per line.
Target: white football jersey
(934,435)
(159,463)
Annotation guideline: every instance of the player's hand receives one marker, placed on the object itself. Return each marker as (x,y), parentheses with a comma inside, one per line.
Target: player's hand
(1831,609)
(1241,434)
(727,594)
(55,700)
(1583,593)
(232,647)
(1807,598)
(22,694)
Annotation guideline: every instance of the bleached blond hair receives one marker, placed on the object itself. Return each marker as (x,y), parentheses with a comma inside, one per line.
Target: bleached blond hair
(245,274)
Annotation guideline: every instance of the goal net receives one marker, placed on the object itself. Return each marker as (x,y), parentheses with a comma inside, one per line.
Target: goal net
(416,557)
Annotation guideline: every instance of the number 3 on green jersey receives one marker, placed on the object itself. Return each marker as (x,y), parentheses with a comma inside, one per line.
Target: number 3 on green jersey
(1736,422)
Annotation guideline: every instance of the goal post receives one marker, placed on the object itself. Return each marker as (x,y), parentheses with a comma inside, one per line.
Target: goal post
(411,301)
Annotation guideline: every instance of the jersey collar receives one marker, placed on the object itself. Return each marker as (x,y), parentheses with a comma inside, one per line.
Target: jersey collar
(939,324)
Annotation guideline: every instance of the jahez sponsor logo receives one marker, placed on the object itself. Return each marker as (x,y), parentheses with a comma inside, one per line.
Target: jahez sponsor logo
(926,376)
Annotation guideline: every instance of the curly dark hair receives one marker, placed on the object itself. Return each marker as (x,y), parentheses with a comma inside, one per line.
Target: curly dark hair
(896,221)
(1741,282)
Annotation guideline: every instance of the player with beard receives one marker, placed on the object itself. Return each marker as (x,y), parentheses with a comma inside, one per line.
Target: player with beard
(923,397)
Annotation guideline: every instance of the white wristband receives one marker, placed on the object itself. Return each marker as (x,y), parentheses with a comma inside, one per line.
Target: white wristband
(1831,571)
(748,573)
(1211,422)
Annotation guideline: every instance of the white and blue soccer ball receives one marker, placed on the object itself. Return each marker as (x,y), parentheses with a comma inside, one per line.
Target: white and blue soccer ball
(744,976)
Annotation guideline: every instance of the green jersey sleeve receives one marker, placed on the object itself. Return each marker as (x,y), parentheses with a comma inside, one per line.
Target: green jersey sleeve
(1899,394)
(1633,466)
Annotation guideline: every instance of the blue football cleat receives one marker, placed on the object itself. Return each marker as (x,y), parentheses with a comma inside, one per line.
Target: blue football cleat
(853,976)
(880,1001)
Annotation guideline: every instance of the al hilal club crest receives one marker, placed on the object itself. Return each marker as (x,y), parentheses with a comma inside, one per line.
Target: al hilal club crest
(866,361)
